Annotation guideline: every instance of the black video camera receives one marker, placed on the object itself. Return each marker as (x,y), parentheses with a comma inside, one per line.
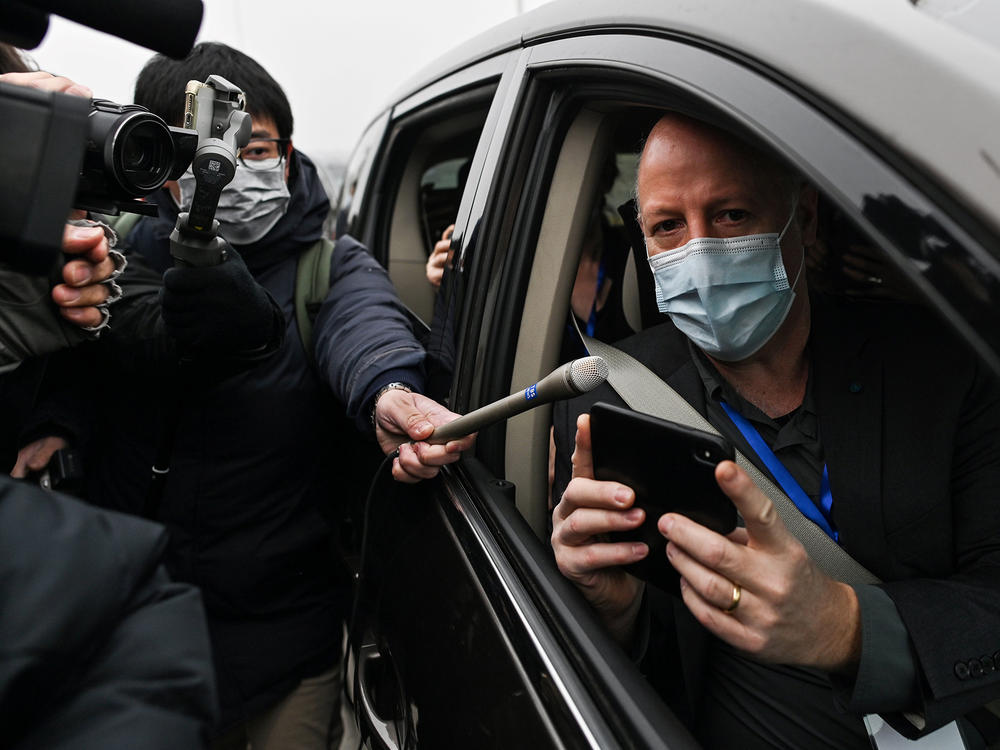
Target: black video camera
(130,153)
(63,151)
(60,151)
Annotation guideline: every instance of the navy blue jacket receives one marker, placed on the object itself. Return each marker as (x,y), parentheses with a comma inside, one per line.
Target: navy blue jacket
(260,460)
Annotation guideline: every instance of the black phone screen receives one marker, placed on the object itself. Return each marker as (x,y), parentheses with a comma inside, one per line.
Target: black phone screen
(671,469)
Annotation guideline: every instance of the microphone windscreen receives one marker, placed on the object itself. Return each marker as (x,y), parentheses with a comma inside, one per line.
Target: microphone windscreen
(166,26)
(587,373)
(22,26)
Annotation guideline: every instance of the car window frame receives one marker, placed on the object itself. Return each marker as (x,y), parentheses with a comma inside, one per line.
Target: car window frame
(520,579)
(824,150)
(475,494)
(563,57)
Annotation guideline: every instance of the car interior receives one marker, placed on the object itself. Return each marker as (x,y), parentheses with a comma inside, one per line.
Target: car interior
(430,189)
(521,257)
(429,192)
(428,176)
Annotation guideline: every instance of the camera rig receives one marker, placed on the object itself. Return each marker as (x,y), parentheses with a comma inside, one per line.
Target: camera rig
(100,156)
(214,110)
(61,151)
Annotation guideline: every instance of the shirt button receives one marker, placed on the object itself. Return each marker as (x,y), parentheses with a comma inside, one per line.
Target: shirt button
(961,670)
(975,668)
(988,663)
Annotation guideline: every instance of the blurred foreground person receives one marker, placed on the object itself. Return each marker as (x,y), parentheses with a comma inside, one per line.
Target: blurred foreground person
(98,648)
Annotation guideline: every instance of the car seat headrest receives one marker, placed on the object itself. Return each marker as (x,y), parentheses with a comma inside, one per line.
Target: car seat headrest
(638,287)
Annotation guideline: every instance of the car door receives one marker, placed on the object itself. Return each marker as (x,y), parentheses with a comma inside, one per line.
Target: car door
(473,636)
(453,633)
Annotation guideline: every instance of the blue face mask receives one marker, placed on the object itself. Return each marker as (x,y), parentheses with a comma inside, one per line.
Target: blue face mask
(728,295)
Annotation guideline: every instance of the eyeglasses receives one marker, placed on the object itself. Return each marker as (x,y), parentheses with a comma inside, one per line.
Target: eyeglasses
(261,154)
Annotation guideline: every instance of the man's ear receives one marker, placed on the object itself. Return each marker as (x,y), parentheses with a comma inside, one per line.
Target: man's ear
(807,214)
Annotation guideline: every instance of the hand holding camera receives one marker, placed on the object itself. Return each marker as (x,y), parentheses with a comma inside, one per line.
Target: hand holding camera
(112,157)
(218,308)
(84,293)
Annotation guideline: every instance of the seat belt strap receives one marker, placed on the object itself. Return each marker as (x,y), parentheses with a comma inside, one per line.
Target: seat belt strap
(644,391)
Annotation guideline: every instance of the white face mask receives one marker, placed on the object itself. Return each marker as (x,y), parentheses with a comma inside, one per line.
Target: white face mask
(249,206)
(728,295)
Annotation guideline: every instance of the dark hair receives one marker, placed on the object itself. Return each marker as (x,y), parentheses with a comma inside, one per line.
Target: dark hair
(161,83)
(11,60)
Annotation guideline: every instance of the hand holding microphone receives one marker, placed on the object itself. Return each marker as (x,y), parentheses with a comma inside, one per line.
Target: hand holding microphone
(403,419)
(569,380)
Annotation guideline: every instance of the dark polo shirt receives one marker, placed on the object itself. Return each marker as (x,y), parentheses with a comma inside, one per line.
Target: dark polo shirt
(750,704)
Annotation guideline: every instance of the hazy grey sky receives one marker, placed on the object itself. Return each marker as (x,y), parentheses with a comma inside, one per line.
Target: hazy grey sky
(337,61)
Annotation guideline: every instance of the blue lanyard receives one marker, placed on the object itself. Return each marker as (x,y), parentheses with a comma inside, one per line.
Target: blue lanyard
(592,321)
(785,479)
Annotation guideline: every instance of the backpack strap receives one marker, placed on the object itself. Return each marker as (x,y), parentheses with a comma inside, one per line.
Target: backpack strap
(312,282)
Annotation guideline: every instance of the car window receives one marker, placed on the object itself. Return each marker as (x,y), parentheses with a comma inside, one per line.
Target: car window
(423,177)
(355,183)
(851,263)
(851,257)
(441,187)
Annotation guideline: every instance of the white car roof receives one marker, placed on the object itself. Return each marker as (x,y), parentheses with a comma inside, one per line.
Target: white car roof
(928,88)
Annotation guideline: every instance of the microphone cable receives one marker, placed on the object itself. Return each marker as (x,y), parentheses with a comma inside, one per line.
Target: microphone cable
(354,637)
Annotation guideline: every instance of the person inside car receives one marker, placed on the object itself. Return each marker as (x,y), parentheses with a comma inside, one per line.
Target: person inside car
(871,405)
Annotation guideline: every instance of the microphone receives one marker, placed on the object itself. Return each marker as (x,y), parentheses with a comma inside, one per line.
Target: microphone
(167,27)
(571,379)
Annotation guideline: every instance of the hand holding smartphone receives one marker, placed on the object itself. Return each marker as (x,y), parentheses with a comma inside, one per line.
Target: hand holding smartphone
(671,469)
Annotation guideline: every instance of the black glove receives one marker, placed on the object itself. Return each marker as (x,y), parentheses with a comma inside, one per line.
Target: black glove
(220,309)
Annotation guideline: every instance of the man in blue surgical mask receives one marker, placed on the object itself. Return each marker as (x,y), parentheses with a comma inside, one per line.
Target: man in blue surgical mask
(833,396)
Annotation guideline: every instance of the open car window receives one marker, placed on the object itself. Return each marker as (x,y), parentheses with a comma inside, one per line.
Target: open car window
(422,180)
(542,199)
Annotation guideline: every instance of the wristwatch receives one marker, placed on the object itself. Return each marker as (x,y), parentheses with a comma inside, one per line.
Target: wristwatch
(396,386)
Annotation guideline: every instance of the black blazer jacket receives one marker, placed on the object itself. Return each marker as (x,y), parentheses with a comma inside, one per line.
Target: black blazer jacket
(910,426)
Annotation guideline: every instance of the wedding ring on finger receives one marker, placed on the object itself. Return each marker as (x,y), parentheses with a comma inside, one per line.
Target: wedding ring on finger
(735,601)
(876,280)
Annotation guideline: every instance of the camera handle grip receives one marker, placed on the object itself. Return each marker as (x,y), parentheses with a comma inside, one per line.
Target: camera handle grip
(190,248)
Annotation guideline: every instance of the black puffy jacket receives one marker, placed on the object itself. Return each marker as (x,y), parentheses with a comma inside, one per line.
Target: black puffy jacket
(98,648)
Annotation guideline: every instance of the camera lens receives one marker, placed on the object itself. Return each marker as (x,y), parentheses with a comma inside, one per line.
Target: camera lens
(136,153)
(143,154)
(129,154)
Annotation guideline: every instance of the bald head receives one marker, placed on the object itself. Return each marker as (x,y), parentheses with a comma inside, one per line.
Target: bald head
(683,146)
(697,182)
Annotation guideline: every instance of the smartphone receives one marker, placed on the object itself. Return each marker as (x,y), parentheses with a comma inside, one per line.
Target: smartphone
(64,472)
(671,468)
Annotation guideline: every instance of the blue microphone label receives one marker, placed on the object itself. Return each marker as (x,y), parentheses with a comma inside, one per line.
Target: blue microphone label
(531,392)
